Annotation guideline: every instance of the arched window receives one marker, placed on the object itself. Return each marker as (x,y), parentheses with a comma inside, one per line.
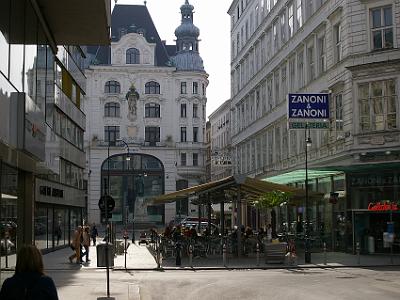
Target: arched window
(152,87)
(112,87)
(111,109)
(152,110)
(132,56)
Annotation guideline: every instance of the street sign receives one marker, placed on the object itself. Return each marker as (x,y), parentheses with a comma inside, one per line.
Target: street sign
(110,203)
(308,125)
(308,106)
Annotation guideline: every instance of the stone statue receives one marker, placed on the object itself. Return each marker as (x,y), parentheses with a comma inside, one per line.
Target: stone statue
(132,96)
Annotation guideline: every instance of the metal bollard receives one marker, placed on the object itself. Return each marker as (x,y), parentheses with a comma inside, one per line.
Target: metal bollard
(358,252)
(258,254)
(191,256)
(178,261)
(158,253)
(224,255)
(325,254)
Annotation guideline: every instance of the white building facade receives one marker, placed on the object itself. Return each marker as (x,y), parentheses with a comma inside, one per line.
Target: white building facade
(348,49)
(146,101)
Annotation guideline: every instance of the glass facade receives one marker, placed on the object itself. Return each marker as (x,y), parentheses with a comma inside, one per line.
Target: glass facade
(132,181)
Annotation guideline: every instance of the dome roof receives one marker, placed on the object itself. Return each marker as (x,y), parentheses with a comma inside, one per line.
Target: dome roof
(188,61)
(187,29)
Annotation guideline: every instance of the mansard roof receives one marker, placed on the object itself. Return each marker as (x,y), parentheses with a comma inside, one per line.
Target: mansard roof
(132,18)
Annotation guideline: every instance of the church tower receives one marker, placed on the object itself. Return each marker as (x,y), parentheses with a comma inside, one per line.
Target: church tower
(187,43)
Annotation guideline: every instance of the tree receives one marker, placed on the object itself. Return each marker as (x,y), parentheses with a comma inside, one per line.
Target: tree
(270,200)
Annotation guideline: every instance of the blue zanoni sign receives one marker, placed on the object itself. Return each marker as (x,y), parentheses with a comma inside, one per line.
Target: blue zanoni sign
(308,106)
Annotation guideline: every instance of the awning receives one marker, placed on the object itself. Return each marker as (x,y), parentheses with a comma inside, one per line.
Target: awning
(300,176)
(216,191)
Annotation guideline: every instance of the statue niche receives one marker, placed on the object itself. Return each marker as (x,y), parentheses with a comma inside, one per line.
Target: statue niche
(132,97)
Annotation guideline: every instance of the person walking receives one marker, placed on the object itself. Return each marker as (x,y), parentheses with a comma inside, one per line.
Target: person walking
(76,245)
(86,243)
(29,280)
(94,234)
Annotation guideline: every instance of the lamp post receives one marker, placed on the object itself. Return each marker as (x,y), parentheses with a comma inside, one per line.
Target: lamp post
(128,159)
(307,252)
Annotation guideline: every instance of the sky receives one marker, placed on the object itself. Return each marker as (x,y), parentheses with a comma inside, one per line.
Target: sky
(211,17)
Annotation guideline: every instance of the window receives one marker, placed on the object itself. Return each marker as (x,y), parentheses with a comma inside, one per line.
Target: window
(338,42)
(290,20)
(112,109)
(195,88)
(311,63)
(321,55)
(203,88)
(183,159)
(300,70)
(204,112)
(382,28)
(152,87)
(338,112)
(292,74)
(195,159)
(277,87)
(195,111)
(111,134)
(377,105)
(152,135)
(284,82)
(299,15)
(283,27)
(152,110)
(112,87)
(183,134)
(195,134)
(275,35)
(183,88)
(132,56)
(183,110)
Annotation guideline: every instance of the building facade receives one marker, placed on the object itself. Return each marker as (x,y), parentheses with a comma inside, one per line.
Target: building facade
(348,49)
(42,90)
(146,111)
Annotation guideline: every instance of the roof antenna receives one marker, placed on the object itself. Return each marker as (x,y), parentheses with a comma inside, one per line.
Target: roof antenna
(145,3)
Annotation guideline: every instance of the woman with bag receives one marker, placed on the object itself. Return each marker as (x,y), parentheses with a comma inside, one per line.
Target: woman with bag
(29,281)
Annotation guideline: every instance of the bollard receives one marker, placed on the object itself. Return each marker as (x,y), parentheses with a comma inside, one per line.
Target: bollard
(258,254)
(358,252)
(191,256)
(178,261)
(224,255)
(126,237)
(325,254)
(7,245)
(158,253)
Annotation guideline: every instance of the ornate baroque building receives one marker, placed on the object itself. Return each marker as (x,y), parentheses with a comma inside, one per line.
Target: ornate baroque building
(348,49)
(146,111)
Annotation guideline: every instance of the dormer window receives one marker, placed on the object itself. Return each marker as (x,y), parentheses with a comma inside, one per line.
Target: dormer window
(132,56)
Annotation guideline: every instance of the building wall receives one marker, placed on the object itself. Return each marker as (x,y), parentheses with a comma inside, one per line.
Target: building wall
(132,126)
(265,68)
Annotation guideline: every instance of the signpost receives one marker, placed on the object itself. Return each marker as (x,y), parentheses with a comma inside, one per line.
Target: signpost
(308,111)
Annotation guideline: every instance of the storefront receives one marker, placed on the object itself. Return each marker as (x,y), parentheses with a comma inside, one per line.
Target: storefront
(374,206)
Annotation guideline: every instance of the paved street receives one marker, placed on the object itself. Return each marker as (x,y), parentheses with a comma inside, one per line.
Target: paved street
(307,282)
(90,284)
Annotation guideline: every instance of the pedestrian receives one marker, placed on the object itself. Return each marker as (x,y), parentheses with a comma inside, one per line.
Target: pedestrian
(29,280)
(76,245)
(58,233)
(86,243)
(94,234)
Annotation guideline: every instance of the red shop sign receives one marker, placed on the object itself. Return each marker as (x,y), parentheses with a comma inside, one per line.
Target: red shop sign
(382,206)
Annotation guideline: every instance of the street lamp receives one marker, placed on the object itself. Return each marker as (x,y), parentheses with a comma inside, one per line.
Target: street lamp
(307,252)
(128,159)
